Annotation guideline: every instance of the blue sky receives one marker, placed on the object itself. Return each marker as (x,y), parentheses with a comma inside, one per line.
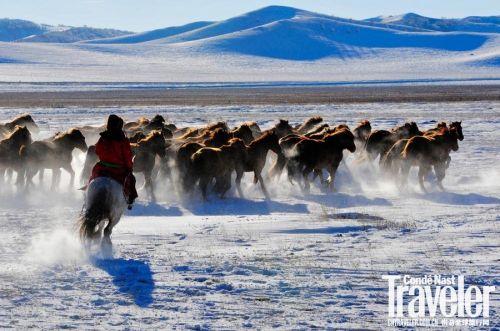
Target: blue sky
(141,15)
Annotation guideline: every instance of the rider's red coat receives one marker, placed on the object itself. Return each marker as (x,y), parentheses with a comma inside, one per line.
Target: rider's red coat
(115,160)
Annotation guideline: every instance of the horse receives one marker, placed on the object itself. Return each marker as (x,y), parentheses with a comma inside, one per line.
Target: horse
(22,120)
(426,151)
(104,205)
(309,124)
(244,132)
(9,151)
(54,154)
(362,132)
(314,155)
(145,152)
(210,163)
(380,141)
(255,159)
(319,129)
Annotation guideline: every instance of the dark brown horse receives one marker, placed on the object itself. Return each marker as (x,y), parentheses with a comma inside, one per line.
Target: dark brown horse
(9,152)
(243,132)
(380,141)
(145,152)
(314,155)
(22,120)
(209,163)
(52,154)
(426,151)
(255,159)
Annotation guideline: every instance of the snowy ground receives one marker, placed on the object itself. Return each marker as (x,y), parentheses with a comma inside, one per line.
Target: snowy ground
(298,261)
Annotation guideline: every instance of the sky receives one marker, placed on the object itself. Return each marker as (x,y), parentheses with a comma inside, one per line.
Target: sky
(142,15)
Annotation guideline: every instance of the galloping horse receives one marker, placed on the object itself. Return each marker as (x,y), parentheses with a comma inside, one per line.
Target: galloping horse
(380,141)
(426,151)
(9,151)
(104,205)
(22,120)
(310,154)
(52,154)
(145,152)
(210,163)
(255,159)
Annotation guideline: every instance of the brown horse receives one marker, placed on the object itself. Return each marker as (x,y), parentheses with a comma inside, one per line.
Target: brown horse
(426,151)
(255,159)
(314,155)
(244,132)
(9,151)
(52,154)
(22,120)
(145,152)
(380,141)
(183,162)
(210,163)
(309,124)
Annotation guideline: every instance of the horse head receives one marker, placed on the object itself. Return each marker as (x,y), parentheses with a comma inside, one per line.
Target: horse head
(458,127)
(283,128)
(158,144)
(27,121)
(77,139)
(19,136)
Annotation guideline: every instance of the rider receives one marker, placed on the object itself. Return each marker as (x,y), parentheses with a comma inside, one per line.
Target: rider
(115,158)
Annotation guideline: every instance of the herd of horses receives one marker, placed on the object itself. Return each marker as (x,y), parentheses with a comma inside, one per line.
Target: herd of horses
(208,156)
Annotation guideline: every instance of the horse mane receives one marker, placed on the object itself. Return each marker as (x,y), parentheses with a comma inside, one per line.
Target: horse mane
(264,136)
(23,117)
(441,125)
(214,126)
(150,136)
(364,123)
(312,120)
(18,131)
(188,133)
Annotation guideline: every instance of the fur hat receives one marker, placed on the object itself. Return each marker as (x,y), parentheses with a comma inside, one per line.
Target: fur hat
(114,124)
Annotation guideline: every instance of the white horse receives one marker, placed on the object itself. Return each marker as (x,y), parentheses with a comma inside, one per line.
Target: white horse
(104,206)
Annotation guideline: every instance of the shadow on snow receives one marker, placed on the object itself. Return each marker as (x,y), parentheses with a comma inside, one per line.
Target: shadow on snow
(131,277)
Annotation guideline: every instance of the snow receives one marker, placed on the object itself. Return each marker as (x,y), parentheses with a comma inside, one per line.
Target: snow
(151,35)
(273,44)
(296,262)
(72,35)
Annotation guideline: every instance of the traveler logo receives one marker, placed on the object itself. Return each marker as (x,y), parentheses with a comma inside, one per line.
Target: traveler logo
(436,300)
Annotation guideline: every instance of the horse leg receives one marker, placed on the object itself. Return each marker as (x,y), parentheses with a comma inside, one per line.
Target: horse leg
(71,172)
(239,176)
(423,170)
(149,185)
(56,174)
(40,176)
(405,170)
(262,185)
(448,161)
(9,175)
(204,181)
(305,176)
(440,171)
(333,171)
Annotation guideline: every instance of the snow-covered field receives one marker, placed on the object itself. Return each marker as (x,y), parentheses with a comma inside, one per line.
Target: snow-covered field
(296,262)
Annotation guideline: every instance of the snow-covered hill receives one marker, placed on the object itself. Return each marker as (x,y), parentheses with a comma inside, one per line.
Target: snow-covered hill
(72,35)
(267,45)
(27,31)
(151,35)
(490,24)
(11,30)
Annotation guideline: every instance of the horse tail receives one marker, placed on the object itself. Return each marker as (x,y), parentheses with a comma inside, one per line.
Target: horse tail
(94,213)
